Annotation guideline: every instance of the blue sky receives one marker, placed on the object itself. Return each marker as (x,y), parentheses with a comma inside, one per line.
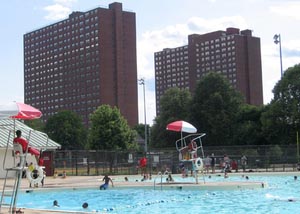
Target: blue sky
(160,24)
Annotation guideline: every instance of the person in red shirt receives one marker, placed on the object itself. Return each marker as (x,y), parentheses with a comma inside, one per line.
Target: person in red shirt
(24,143)
(143,165)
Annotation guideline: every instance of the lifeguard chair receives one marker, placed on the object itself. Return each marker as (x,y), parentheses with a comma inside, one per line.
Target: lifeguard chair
(190,150)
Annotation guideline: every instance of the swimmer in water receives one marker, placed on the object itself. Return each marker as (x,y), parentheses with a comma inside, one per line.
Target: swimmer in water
(106,180)
(55,203)
(85,205)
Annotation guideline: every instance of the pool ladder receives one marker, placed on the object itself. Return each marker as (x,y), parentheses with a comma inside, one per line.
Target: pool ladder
(161,175)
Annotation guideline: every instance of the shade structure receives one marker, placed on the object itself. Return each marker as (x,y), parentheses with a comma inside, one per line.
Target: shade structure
(16,110)
(181,126)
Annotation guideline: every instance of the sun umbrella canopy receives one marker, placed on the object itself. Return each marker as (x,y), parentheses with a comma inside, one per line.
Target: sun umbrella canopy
(181,126)
(18,110)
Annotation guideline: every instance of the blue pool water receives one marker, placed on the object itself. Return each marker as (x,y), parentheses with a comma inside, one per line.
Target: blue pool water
(281,196)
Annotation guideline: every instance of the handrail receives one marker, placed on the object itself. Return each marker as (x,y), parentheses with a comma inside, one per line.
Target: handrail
(181,143)
(159,173)
(41,133)
(6,149)
(161,177)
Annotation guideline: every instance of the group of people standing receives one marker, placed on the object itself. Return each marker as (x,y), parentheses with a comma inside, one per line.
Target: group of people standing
(209,163)
(226,164)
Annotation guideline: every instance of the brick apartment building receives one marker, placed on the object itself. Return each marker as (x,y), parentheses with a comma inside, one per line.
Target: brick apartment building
(82,62)
(233,53)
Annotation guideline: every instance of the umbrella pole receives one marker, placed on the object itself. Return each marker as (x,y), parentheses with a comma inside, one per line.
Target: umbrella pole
(14,131)
(181,139)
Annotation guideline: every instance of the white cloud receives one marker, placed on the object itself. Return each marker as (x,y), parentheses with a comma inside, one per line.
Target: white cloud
(287,9)
(59,10)
(200,25)
(65,2)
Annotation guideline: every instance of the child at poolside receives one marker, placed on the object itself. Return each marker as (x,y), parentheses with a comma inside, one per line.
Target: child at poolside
(64,174)
(170,178)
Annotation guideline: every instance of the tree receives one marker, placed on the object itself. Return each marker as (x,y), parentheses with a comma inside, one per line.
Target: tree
(66,128)
(110,131)
(214,109)
(174,105)
(281,118)
(36,124)
(248,128)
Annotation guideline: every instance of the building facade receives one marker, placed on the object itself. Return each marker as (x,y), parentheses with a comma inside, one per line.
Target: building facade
(235,54)
(82,62)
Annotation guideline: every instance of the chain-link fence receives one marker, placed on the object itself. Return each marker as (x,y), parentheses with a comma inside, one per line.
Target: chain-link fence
(262,158)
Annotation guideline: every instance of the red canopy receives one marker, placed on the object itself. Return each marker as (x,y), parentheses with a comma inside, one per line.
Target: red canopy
(18,110)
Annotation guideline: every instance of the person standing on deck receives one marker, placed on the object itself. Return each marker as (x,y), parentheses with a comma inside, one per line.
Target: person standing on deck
(213,163)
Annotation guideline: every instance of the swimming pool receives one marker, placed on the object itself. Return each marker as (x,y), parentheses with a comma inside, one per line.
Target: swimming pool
(282,196)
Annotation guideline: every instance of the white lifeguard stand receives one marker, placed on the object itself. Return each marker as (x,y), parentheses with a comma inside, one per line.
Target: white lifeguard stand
(188,148)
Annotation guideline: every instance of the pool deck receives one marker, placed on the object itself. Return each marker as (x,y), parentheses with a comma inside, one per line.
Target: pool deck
(119,182)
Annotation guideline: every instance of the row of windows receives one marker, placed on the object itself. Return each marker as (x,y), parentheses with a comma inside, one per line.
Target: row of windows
(62,58)
(217,46)
(223,62)
(57,84)
(223,38)
(174,75)
(49,80)
(168,56)
(216,68)
(178,72)
(208,51)
(178,64)
(168,67)
(67,44)
(169,83)
(86,31)
(60,96)
(66,68)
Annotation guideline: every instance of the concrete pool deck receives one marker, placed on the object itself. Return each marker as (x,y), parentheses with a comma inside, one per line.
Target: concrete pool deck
(119,182)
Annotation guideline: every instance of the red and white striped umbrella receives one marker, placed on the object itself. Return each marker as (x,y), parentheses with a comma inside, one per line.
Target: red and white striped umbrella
(16,110)
(181,126)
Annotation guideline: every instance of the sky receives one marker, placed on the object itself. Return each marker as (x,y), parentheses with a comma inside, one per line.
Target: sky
(159,24)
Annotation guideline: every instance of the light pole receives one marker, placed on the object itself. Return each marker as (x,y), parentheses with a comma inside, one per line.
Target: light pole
(142,82)
(277,40)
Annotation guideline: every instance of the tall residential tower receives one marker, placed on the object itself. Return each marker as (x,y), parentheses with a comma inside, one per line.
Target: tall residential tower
(232,53)
(83,62)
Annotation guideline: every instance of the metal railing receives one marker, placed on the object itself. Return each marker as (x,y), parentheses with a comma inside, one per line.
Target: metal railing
(259,158)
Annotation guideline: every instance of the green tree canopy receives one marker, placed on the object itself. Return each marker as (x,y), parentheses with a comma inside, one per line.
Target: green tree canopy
(36,124)
(248,128)
(66,128)
(174,105)
(281,117)
(214,109)
(110,131)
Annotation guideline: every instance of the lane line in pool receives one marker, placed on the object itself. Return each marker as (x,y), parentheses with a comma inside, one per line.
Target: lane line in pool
(144,204)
